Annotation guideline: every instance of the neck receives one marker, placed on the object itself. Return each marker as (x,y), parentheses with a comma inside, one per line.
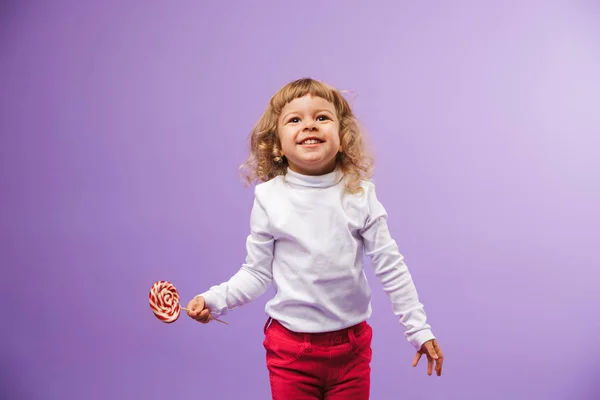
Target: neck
(316,181)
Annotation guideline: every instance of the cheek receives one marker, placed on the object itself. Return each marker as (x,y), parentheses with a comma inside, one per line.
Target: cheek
(283,135)
(336,133)
(286,139)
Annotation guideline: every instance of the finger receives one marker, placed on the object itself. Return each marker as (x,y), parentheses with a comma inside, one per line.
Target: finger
(431,350)
(429,366)
(189,309)
(192,309)
(436,346)
(440,361)
(439,364)
(204,316)
(203,320)
(197,315)
(417,358)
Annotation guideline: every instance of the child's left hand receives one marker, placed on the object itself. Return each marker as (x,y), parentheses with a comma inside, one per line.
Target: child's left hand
(433,352)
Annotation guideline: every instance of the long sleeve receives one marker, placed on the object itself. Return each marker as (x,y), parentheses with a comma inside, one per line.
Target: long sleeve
(255,275)
(393,273)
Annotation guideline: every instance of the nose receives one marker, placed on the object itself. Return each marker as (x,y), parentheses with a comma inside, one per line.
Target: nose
(310,125)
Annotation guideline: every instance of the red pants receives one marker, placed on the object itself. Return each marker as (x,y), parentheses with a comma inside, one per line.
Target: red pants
(308,366)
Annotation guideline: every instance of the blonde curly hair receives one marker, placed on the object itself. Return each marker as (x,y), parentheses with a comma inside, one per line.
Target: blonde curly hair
(265,162)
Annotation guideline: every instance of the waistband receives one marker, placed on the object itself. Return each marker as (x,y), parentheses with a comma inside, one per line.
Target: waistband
(340,336)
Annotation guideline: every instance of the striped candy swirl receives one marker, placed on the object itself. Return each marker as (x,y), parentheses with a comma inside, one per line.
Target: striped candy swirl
(164,301)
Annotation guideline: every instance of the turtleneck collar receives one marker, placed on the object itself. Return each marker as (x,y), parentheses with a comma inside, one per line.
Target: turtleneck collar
(314,181)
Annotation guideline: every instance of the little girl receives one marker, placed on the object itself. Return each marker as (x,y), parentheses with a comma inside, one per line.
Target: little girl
(315,212)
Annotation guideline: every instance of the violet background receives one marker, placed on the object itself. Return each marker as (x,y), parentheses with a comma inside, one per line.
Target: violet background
(123,125)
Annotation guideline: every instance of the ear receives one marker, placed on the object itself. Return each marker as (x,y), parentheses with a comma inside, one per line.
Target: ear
(278,151)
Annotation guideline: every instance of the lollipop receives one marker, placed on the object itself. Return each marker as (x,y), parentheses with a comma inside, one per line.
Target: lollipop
(164,302)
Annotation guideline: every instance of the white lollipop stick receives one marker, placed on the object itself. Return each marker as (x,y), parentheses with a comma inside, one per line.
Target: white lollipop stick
(211,317)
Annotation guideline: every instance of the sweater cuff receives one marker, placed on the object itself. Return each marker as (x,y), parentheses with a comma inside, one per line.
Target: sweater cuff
(421,337)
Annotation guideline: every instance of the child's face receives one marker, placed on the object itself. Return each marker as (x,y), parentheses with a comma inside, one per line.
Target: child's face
(309,132)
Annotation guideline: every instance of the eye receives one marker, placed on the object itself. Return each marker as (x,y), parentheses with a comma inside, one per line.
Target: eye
(322,118)
(294,120)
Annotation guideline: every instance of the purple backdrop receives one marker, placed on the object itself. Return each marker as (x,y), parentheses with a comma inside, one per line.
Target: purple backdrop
(122,130)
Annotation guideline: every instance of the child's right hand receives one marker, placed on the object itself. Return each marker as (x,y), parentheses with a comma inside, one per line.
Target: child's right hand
(196,309)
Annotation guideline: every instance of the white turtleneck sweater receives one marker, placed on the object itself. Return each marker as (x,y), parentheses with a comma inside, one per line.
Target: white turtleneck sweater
(307,238)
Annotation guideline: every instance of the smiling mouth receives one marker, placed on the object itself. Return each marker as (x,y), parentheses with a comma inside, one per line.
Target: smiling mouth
(310,141)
